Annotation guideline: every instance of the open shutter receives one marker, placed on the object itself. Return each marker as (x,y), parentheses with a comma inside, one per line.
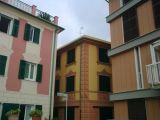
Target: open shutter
(27,32)
(3,60)
(36,35)
(15,28)
(39,73)
(7,107)
(22,69)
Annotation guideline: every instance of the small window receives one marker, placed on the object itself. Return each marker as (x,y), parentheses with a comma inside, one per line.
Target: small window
(71,56)
(130,25)
(156,9)
(57,85)
(4,24)
(70,84)
(30,71)
(58,61)
(104,83)
(103,57)
(3,60)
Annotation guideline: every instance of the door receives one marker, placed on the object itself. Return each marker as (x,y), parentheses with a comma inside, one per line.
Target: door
(136,109)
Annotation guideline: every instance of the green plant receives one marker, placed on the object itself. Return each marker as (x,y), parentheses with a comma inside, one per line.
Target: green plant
(45,16)
(13,112)
(36,112)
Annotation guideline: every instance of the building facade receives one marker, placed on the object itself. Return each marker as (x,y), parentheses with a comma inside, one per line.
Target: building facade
(26,42)
(84,73)
(135,56)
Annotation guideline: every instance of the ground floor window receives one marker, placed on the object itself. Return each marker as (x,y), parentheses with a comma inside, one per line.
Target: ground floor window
(136,109)
(105,113)
(70,113)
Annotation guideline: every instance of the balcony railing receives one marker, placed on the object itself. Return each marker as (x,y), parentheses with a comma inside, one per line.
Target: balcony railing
(30,9)
(153,73)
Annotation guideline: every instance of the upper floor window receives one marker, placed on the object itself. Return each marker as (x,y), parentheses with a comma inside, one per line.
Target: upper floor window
(31,33)
(70,84)
(9,25)
(58,61)
(30,71)
(103,57)
(104,83)
(57,85)
(3,60)
(156,9)
(71,56)
(130,25)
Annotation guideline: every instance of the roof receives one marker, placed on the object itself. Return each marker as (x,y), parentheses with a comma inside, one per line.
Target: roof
(82,38)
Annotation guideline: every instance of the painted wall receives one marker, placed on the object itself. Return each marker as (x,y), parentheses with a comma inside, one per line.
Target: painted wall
(114,5)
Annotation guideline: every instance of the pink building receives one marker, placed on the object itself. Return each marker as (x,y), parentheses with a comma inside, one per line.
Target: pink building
(27,41)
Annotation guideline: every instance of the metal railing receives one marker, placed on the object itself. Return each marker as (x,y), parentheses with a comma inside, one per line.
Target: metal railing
(27,8)
(153,73)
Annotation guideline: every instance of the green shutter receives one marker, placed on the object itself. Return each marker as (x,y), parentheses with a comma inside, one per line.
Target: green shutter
(27,32)
(15,28)
(3,60)
(39,107)
(36,35)
(39,73)
(22,69)
(7,107)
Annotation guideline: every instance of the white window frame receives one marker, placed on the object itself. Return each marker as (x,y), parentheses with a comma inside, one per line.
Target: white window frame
(139,74)
(29,73)
(10,26)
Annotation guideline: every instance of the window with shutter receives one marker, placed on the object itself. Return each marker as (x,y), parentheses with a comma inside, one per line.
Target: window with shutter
(71,56)
(130,25)
(70,84)
(104,83)
(39,73)
(103,57)
(156,9)
(3,60)
(126,1)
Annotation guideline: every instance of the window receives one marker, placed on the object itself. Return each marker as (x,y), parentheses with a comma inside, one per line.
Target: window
(70,113)
(156,9)
(130,25)
(139,74)
(3,60)
(58,62)
(104,83)
(106,113)
(31,34)
(103,57)
(70,84)
(30,71)
(57,85)
(71,56)
(9,25)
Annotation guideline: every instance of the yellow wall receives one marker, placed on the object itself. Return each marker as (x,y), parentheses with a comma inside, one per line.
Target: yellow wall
(94,68)
(65,70)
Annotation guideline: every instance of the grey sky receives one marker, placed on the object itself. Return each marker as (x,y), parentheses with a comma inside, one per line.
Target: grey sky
(74,14)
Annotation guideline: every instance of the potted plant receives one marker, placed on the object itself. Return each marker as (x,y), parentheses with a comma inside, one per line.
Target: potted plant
(36,114)
(13,114)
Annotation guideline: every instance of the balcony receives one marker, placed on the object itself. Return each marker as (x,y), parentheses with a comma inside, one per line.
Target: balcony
(32,10)
(153,74)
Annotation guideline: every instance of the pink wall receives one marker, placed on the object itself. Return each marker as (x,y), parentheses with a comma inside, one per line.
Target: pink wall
(18,47)
(45,54)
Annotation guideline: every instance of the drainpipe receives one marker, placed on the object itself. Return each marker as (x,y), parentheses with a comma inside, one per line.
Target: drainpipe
(52,74)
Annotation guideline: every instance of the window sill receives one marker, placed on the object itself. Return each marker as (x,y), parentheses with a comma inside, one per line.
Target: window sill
(73,63)
(29,80)
(31,42)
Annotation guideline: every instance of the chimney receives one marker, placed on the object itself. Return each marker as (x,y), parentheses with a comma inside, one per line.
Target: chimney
(34,9)
(55,21)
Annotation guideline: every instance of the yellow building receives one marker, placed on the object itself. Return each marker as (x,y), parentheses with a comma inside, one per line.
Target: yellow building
(84,73)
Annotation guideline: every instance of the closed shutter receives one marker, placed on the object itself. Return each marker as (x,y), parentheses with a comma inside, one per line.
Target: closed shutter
(39,107)
(22,69)
(22,113)
(36,35)
(3,60)
(39,73)
(15,28)
(27,32)
(7,107)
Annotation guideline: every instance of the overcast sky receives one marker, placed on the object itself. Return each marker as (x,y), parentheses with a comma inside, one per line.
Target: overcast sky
(75,14)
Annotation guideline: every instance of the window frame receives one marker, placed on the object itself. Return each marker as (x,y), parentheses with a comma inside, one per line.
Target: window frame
(29,72)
